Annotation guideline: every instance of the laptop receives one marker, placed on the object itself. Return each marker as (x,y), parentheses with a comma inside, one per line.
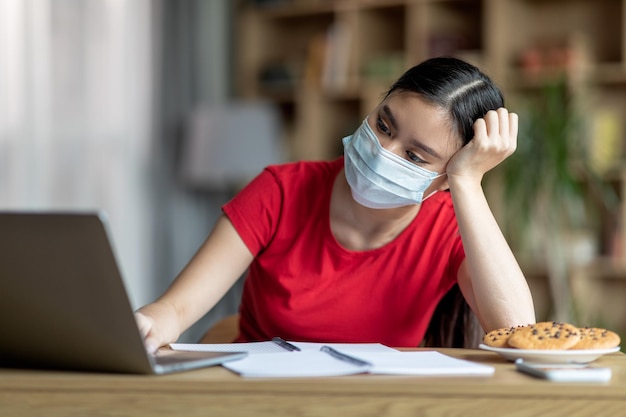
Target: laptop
(63,303)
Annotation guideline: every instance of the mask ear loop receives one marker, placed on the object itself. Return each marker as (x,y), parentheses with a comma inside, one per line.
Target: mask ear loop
(431,194)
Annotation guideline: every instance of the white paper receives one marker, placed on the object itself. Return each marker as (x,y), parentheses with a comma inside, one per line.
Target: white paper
(271,347)
(268,359)
(427,363)
(292,364)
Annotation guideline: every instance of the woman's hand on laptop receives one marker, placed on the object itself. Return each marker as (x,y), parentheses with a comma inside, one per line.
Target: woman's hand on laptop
(146,324)
(158,325)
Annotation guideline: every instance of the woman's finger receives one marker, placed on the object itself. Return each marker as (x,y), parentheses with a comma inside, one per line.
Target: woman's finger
(493,124)
(513,125)
(480,128)
(503,120)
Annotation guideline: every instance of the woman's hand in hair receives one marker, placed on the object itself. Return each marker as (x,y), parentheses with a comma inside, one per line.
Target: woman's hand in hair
(495,139)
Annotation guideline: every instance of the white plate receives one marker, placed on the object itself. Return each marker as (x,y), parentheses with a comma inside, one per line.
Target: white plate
(550,356)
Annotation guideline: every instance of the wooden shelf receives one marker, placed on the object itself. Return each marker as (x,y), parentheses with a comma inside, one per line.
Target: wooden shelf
(313,53)
(610,74)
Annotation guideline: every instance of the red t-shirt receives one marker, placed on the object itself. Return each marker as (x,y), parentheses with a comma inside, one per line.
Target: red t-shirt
(304,286)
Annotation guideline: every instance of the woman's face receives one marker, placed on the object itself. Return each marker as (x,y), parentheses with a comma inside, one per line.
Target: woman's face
(417,131)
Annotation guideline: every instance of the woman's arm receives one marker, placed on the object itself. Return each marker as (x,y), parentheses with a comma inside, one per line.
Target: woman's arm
(490,277)
(217,265)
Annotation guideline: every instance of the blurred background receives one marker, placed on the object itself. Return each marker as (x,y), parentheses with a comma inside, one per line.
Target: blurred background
(157,111)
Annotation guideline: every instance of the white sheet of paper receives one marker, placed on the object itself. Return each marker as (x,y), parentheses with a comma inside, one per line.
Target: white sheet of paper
(271,347)
(311,363)
(292,364)
(427,363)
(268,359)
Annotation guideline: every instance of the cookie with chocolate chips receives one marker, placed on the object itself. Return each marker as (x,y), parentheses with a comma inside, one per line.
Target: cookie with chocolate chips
(498,338)
(551,335)
(596,338)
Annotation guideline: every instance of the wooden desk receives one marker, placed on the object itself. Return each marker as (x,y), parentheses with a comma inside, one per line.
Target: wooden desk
(218,392)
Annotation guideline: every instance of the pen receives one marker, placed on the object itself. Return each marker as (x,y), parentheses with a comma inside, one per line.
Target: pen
(284,344)
(343,357)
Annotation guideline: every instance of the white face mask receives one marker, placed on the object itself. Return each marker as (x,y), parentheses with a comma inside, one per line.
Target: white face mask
(379,178)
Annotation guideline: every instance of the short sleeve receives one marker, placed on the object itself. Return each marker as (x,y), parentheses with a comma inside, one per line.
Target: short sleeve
(255,211)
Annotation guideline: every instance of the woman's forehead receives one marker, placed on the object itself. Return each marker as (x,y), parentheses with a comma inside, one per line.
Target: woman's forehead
(426,121)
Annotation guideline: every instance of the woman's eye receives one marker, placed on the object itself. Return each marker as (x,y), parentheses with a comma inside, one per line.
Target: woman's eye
(414,157)
(382,127)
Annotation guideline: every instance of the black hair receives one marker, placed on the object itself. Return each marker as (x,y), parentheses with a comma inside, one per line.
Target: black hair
(460,88)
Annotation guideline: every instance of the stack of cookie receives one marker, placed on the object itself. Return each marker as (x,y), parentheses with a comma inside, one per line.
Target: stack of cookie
(552,335)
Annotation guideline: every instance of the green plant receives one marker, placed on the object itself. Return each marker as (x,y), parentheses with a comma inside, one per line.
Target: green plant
(549,191)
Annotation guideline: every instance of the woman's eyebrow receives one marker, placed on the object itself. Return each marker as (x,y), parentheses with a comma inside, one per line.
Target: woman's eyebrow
(390,116)
(392,120)
(425,148)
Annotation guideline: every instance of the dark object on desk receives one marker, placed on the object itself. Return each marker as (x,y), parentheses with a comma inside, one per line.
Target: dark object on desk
(63,304)
(343,357)
(285,344)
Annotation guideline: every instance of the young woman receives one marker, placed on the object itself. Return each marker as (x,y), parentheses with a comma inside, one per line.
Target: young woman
(363,248)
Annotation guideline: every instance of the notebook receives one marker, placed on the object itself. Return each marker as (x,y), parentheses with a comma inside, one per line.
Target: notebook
(63,303)
(305,359)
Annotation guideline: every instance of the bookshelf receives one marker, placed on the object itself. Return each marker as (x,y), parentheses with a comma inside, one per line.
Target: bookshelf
(326,63)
